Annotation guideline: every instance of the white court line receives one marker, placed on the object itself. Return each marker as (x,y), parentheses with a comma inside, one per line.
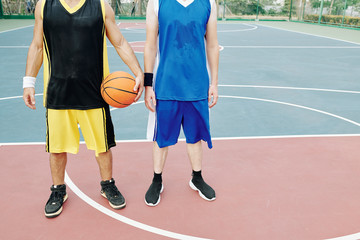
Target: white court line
(109,46)
(14,46)
(239,30)
(260,47)
(246,86)
(14,29)
(145,227)
(291,88)
(180,236)
(355,236)
(214,138)
(297,47)
(123,219)
(7,98)
(309,34)
(295,105)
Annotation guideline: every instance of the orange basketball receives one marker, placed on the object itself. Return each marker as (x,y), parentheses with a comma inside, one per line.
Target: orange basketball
(117,89)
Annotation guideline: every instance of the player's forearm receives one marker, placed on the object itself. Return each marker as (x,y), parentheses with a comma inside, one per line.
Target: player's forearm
(34,60)
(149,57)
(128,56)
(213,59)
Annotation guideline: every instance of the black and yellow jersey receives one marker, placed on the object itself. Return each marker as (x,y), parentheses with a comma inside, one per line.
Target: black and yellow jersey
(75,54)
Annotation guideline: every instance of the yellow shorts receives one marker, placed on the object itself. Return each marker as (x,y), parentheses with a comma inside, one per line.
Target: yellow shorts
(62,134)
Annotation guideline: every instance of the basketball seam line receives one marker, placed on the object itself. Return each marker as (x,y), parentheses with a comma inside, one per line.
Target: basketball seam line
(116,100)
(119,90)
(120,77)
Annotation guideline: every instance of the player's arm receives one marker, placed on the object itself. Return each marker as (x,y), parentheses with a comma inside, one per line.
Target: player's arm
(34,59)
(123,48)
(152,29)
(212,51)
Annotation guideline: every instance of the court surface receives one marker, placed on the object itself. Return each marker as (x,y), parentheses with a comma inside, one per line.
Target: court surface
(285,162)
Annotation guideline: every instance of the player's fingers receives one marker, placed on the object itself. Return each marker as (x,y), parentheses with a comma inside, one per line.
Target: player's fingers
(141,89)
(153,99)
(148,104)
(210,98)
(32,99)
(152,102)
(214,101)
(137,84)
(28,102)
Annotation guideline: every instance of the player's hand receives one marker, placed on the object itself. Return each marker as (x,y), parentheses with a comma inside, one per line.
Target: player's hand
(29,97)
(139,86)
(150,100)
(213,96)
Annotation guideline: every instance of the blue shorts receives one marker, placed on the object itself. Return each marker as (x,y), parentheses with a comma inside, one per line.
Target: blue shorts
(193,116)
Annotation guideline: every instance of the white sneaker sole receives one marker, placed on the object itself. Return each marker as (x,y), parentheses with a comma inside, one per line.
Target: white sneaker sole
(193,187)
(112,205)
(158,201)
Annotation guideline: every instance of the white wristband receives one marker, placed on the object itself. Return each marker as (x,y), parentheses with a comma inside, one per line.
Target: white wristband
(29,82)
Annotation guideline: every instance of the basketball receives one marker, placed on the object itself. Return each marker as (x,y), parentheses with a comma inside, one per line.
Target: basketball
(117,89)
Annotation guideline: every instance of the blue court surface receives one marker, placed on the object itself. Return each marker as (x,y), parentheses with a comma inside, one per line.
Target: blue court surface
(272,82)
(289,94)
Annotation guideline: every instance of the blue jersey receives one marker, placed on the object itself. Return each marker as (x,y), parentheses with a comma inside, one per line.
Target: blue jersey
(182,73)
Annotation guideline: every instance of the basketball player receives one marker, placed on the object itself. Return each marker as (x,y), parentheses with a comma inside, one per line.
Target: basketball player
(70,38)
(181,40)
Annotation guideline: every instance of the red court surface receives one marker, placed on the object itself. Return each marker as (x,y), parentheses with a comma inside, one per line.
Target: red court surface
(285,188)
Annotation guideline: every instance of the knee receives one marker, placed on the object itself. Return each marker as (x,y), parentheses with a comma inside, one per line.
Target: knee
(58,155)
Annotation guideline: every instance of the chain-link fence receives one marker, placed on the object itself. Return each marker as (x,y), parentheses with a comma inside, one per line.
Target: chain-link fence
(129,8)
(253,9)
(334,12)
(122,8)
(344,13)
(17,7)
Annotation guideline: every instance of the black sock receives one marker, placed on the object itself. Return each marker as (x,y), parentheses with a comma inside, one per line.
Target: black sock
(196,175)
(157,177)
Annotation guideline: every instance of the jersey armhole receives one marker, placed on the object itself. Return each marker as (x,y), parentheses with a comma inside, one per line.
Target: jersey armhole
(211,3)
(156,7)
(42,8)
(102,9)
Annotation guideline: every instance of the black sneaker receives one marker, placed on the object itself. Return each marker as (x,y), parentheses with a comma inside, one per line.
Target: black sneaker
(205,191)
(58,196)
(111,193)
(152,196)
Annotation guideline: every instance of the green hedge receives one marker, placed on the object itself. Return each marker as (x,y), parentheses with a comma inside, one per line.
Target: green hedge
(334,19)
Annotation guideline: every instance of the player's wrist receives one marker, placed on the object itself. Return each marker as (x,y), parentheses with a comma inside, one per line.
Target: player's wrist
(148,79)
(29,82)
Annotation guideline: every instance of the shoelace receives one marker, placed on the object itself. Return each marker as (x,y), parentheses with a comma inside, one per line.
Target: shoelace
(112,190)
(56,196)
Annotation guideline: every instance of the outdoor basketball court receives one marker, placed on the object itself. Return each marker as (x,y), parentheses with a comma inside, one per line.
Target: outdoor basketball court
(285,162)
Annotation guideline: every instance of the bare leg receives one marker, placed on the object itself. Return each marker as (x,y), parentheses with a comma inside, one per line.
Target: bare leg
(104,161)
(58,196)
(57,166)
(195,155)
(159,157)
(108,188)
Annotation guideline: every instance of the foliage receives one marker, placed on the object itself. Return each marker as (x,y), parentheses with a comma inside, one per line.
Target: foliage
(245,7)
(336,6)
(334,19)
